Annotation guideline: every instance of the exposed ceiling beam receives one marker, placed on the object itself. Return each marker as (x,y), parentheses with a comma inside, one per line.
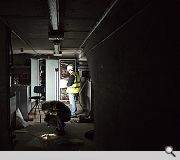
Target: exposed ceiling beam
(64,51)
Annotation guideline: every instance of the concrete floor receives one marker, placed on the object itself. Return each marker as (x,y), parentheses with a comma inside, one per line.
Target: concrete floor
(31,138)
(34,136)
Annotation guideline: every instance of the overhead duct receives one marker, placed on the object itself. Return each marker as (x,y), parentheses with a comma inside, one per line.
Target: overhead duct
(54,13)
(55,34)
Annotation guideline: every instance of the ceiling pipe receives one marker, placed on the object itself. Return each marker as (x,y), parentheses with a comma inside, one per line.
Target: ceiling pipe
(120,27)
(99,22)
(25,41)
(17,33)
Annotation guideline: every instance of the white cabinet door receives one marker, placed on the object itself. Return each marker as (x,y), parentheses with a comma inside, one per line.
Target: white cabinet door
(52,80)
(34,75)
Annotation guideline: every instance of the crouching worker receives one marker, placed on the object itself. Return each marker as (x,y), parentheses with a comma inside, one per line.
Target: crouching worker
(56,113)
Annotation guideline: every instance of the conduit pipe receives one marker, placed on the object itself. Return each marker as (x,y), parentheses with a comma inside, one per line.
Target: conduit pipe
(16,33)
(99,22)
(120,27)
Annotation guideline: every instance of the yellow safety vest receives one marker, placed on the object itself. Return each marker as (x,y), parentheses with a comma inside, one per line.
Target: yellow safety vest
(75,87)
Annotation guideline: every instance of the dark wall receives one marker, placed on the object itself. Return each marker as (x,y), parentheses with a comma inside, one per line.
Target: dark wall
(5,133)
(21,69)
(135,74)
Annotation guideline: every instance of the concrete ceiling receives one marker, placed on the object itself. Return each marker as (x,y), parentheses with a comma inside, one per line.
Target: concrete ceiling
(30,22)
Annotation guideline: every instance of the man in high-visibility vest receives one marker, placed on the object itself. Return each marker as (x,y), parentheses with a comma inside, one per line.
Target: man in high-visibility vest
(73,88)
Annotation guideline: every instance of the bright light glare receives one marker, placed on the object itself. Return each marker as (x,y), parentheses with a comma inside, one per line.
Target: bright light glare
(47,136)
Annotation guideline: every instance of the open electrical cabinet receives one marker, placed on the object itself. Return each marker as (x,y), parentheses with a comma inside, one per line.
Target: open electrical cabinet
(52,74)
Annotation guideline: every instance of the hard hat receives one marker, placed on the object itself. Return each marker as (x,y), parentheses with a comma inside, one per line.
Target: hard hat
(69,67)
